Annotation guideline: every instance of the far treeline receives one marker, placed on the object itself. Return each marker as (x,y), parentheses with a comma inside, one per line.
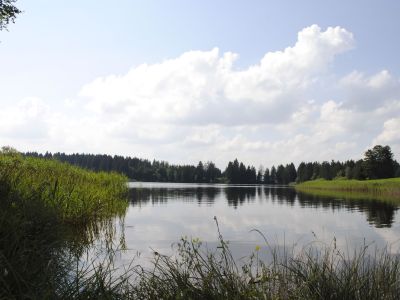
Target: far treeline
(377,163)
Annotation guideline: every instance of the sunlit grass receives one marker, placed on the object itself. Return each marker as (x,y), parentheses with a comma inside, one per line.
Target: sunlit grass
(381,189)
(78,195)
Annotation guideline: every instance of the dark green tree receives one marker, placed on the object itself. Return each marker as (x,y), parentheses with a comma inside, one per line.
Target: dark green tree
(251,175)
(280,174)
(199,175)
(273,175)
(358,170)
(348,169)
(397,169)
(211,172)
(291,173)
(235,172)
(229,171)
(379,162)
(242,173)
(325,171)
(267,177)
(301,172)
(309,171)
(8,13)
(315,170)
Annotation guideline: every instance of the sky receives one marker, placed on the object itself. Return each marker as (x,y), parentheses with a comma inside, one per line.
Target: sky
(267,82)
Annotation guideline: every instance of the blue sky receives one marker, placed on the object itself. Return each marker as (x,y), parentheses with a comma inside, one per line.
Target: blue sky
(58,61)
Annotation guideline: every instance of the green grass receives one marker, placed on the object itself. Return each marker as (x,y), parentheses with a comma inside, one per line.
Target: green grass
(380,189)
(78,195)
(196,272)
(49,211)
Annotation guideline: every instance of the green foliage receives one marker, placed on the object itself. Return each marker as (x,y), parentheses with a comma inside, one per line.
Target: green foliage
(8,13)
(379,162)
(139,169)
(238,173)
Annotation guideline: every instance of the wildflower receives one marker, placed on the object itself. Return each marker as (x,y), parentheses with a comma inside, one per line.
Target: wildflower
(258,248)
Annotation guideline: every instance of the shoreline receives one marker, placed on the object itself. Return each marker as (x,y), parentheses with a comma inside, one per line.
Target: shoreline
(378,189)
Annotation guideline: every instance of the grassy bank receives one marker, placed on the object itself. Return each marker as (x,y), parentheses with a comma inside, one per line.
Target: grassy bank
(383,189)
(48,212)
(76,194)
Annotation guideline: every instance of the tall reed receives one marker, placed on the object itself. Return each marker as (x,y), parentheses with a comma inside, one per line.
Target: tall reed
(49,210)
(77,194)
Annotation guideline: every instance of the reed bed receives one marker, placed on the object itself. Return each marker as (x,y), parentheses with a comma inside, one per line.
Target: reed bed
(386,189)
(78,195)
(49,209)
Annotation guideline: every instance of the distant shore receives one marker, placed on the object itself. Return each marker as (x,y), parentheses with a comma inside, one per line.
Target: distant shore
(381,189)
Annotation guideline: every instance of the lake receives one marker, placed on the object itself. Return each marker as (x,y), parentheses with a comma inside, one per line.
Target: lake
(159,214)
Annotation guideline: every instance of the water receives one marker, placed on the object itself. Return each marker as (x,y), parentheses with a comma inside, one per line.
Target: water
(161,213)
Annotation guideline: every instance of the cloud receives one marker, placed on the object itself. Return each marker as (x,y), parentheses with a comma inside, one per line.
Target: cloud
(203,87)
(368,93)
(390,134)
(200,106)
(26,120)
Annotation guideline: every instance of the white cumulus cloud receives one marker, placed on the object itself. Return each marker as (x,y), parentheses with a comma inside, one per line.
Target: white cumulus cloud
(201,106)
(203,87)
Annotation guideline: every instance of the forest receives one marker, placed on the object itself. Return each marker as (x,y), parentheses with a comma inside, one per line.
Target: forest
(377,163)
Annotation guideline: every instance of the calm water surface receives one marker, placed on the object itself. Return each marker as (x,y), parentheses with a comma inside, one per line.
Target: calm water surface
(161,213)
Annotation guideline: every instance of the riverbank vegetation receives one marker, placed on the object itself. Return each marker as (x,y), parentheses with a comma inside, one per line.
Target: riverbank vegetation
(383,189)
(76,194)
(48,210)
(194,271)
(313,273)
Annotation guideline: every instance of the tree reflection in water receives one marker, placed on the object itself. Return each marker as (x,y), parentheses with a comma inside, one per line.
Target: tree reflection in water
(378,213)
